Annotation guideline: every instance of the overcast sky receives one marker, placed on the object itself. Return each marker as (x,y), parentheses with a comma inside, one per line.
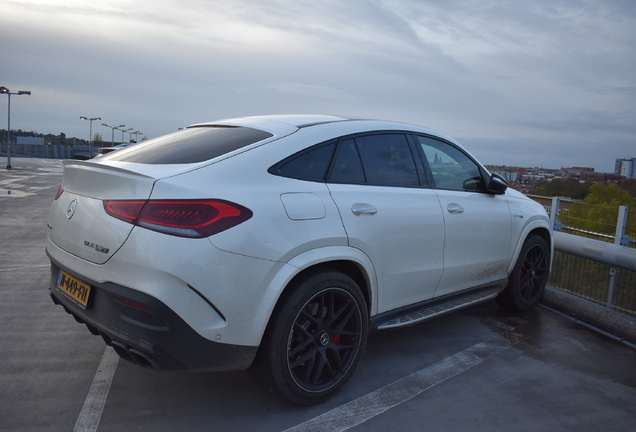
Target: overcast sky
(545,83)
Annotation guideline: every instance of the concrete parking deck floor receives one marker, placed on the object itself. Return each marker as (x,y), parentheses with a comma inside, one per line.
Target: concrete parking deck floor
(481,369)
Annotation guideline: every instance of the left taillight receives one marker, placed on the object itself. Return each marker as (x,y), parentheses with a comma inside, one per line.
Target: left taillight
(182,218)
(58,193)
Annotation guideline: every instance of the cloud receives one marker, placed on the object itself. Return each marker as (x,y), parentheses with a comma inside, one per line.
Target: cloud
(556,76)
(311,91)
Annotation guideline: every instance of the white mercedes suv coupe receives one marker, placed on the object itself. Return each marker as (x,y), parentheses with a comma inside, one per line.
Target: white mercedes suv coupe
(278,243)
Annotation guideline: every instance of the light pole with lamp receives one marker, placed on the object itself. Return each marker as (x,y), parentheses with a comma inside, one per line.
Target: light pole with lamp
(112,140)
(122,133)
(90,133)
(130,134)
(137,135)
(126,131)
(6,91)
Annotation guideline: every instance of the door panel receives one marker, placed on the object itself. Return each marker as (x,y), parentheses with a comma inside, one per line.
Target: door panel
(477,239)
(376,185)
(402,232)
(477,225)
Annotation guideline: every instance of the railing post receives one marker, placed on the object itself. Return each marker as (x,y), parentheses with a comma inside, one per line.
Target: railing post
(554,214)
(619,240)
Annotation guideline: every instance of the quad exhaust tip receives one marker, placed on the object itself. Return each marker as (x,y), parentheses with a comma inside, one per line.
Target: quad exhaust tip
(124,351)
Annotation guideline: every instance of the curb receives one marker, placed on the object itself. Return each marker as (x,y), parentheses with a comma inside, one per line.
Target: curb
(612,322)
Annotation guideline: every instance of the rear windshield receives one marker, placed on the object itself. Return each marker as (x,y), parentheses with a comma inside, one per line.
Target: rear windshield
(191,145)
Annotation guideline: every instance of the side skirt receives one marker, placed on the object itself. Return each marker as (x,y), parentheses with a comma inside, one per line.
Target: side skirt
(436,307)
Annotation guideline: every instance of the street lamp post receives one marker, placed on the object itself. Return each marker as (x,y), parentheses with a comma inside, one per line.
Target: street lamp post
(90,133)
(6,91)
(112,140)
(137,135)
(125,131)
(130,134)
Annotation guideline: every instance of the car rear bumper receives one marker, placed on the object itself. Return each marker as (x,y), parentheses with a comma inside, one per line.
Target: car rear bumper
(145,331)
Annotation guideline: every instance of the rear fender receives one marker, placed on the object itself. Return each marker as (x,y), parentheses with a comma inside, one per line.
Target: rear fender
(305,261)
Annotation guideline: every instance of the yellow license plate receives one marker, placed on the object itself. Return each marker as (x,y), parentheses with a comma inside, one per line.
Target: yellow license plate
(76,289)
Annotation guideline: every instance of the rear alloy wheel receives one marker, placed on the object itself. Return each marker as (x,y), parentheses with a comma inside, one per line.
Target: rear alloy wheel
(315,339)
(527,281)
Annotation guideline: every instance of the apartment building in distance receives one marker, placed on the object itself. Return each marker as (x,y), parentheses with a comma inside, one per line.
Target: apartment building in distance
(626,167)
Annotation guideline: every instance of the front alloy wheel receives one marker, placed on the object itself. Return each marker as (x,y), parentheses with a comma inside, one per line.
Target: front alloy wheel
(527,281)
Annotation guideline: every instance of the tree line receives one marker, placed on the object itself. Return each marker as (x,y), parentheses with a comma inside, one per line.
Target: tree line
(597,206)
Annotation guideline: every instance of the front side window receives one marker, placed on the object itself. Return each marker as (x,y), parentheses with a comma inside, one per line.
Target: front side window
(450,168)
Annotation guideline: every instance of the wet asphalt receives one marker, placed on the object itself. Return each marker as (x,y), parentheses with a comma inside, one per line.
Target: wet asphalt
(480,369)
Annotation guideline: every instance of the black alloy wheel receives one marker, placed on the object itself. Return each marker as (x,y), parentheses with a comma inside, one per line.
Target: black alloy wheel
(324,340)
(314,340)
(533,273)
(527,281)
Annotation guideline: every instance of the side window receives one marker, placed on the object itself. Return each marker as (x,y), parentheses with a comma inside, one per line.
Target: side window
(451,169)
(310,165)
(387,160)
(347,167)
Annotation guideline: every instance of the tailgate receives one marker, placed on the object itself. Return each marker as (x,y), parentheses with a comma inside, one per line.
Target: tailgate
(77,220)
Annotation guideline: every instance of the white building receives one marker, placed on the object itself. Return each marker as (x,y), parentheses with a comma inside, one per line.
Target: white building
(626,167)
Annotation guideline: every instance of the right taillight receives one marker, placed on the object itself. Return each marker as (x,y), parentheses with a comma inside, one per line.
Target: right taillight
(183,218)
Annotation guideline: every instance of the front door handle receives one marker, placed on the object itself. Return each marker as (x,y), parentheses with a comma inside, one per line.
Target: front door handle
(363,209)
(455,208)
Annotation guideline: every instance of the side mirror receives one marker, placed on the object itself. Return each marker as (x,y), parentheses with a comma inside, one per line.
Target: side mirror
(497,184)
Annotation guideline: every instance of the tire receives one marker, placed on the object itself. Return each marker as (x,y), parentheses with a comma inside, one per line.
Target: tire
(314,340)
(529,276)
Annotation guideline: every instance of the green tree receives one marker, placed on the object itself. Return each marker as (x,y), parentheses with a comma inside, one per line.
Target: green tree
(599,211)
(97,137)
(629,185)
(567,187)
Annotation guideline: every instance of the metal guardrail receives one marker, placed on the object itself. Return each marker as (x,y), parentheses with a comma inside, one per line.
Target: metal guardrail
(617,266)
(596,250)
(44,151)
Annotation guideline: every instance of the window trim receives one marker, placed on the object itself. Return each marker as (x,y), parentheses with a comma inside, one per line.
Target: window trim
(421,171)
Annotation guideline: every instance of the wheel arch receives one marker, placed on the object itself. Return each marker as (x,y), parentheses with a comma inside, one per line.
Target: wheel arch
(349,261)
(348,267)
(538,228)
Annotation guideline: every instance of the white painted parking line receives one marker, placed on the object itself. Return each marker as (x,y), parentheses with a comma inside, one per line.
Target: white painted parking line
(91,413)
(23,268)
(366,407)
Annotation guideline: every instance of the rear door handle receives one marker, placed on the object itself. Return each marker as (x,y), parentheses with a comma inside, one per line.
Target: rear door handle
(362,209)
(455,208)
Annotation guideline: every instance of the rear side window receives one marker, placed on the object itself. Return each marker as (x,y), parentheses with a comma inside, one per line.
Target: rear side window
(347,167)
(383,159)
(191,145)
(387,160)
(310,165)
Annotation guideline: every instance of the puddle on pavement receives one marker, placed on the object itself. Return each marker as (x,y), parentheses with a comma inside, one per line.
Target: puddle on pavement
(551,339)
(512,325)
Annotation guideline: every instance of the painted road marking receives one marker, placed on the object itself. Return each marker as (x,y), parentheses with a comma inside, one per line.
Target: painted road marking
(366,407)
(91,413)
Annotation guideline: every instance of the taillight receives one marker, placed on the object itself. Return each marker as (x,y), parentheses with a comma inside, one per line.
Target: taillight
(58,193)
(183,218)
